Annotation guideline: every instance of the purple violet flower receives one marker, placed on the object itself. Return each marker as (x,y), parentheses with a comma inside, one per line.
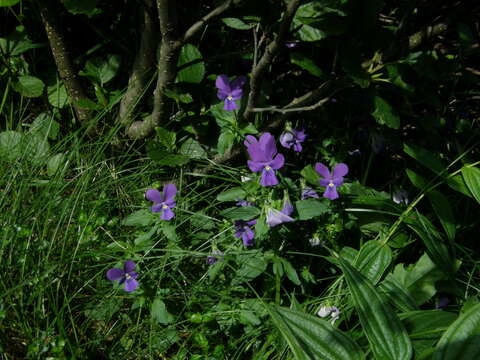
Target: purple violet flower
(293,138)
(243,230)
(264,158)
(275,217)
(229,91)
(291,44)
(331,180)
(243,203)
(308,192)
(216,256)
(163,202)
(126,276)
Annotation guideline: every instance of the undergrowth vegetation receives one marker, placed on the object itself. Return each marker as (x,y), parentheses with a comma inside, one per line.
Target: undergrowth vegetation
(239,180)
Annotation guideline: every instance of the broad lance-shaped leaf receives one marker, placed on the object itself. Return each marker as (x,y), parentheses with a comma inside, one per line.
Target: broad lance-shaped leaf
(425,327)
(384,330)
(311,338)
(462,338)
(471,175)
(437,250)
(444,213)
(373,259)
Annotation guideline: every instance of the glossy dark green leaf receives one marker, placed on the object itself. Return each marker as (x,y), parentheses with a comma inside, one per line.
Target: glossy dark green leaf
(311,338)
(373,259)
(424,157)
(397,295)
(444,212)
(462,338)
(305,63)
(192,68)
(238,24)
(434,243)
(384,113)
(471,175)
(425,327)
(384,330)
(28,86)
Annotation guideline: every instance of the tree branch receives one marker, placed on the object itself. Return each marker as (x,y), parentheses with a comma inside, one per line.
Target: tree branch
(270,52)
(170,47)
(144,61)
(192,30)
(62,59)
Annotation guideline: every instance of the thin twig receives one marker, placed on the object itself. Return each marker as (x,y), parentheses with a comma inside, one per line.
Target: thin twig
(267,58)
(297,109)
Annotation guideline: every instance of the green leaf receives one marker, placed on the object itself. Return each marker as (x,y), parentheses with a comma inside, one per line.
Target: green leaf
(35,148)
(290,272)
(182,98)
(225,141)
(425,327)
(384,330)
(233,194)
(17,42)
(305,63)
(311,338)
(444,213)
(399,297)
(142,217)
(237,24)
(57,95)
(8,2)
(424,157)
(167,138)
(241,213)
(28,86)
(384,113)
(418,280)
(169,230)
(55,163)
(190,73)
(192,149)
(457,183)
(436,248)
(45,126)
(224,119)
(251,268)
(102,70)
(86,7)
(11,145)
(159,312)
(373,259)
(310,175)
(462,338)
(309,208)
(417,180)
(471,175)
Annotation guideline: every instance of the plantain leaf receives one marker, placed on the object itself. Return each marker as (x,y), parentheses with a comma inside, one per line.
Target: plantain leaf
(462,338)
(471,175)
(436,248)
(444,213)
(373,259)
(384,330)
(311,338)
